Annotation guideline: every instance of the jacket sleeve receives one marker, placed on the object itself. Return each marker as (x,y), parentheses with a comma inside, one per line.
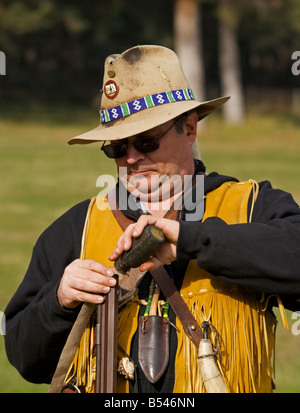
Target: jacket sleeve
(36,325)
(263,255)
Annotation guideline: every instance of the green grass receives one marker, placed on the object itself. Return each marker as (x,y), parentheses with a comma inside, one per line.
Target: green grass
(41,177)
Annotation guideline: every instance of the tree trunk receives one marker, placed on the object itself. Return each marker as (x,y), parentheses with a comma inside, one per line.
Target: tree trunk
(230,74)
(188,43)
(188,46)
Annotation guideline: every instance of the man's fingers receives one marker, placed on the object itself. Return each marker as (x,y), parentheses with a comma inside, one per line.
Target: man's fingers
(92,265)
(163,255)
(88,276)
(150,264)
(75,297)
(169,227)
(85,281)
(132,231)
(82,284)
(124,242)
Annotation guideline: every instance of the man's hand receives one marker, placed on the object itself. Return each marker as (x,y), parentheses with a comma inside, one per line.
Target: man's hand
(165,254)
(84,281)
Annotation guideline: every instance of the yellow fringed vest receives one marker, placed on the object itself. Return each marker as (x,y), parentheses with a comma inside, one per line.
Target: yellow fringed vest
(246,329)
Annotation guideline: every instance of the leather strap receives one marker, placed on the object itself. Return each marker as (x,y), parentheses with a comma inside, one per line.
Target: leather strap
(190,325)
(118,214)
(70,347)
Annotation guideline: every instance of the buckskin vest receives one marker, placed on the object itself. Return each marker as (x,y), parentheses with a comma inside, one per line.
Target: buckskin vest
(245,326)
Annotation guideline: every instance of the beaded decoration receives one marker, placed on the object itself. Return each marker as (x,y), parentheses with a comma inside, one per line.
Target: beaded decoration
(136,105)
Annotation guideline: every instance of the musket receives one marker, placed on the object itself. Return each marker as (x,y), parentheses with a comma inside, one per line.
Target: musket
(142,248)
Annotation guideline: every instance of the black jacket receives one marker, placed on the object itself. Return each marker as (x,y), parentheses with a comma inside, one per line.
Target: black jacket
(263,255)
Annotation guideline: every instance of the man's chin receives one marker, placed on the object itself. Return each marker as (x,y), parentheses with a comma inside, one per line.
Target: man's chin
(154,187)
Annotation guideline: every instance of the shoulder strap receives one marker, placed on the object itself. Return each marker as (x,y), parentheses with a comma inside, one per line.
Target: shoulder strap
(122,220)
(167,286)
(70,347)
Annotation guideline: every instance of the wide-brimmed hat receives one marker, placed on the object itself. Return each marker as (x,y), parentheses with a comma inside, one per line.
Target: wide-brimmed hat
(143,87)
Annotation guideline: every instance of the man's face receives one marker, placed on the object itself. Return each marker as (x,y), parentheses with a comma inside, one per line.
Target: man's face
(144,172)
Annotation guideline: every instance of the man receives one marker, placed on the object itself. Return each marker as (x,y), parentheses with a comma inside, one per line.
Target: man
(233,254)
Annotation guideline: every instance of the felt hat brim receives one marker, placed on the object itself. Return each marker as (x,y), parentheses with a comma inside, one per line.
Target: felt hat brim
(145,120)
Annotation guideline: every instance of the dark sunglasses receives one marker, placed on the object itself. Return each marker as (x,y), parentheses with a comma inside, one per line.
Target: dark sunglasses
(143,144)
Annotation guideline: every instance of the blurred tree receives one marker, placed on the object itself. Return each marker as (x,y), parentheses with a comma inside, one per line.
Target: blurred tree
(188,43)
(41,41)
(55,50)
(188,46)
(269,32)
(229,61)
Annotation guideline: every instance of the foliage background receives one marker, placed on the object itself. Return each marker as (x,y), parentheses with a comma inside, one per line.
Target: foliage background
(55,52)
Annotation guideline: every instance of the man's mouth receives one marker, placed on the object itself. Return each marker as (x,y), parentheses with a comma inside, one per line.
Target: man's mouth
(143,172)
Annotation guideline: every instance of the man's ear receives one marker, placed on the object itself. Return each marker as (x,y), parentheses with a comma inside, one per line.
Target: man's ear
(190,127)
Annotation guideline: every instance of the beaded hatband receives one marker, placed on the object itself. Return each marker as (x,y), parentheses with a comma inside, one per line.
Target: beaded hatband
(136,105)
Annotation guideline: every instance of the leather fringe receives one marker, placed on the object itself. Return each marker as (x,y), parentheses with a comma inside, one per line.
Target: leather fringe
(83,367)
(247,339)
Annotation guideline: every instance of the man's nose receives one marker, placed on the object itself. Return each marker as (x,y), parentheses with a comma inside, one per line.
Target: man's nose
(133,155)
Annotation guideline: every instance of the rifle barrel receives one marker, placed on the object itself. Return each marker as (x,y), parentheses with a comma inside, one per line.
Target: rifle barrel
(106,343)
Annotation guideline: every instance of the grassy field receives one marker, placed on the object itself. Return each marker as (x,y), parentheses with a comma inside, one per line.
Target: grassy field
(41,177)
